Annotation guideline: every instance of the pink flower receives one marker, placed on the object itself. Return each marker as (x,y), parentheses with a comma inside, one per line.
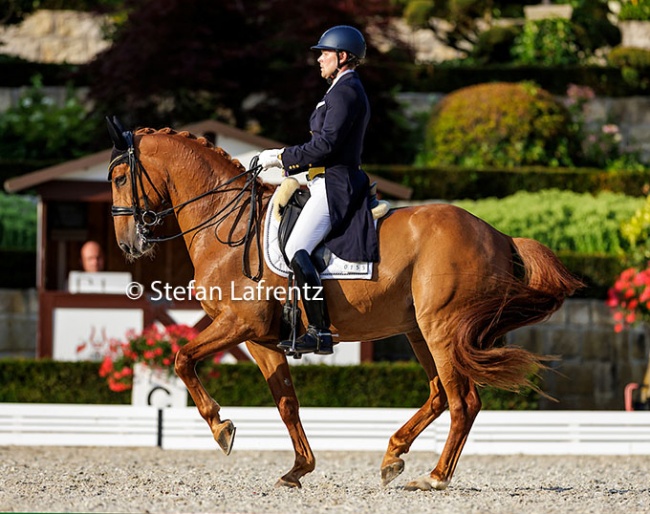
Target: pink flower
(153,346)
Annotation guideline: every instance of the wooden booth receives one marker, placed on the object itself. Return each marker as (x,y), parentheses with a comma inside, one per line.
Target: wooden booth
(79,313)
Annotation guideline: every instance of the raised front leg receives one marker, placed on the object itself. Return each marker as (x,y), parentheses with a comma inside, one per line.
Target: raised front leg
(400,442)
(273,364)
(219,336)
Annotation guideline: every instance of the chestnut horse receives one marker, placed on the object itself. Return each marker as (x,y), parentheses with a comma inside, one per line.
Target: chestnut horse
(447,279)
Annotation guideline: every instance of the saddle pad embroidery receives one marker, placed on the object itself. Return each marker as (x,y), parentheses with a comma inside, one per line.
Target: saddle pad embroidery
(338,268)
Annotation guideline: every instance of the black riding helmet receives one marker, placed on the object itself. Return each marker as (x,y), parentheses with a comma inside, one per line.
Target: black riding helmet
(343,38)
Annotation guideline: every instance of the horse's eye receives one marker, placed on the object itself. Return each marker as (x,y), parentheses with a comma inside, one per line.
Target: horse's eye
(120,181)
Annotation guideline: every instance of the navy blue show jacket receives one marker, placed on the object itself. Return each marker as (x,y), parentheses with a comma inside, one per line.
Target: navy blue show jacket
(338,126)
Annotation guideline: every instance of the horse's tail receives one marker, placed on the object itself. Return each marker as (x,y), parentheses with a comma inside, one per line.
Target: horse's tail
(538,288)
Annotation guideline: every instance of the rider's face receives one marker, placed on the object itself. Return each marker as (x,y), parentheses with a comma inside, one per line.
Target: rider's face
(327,61)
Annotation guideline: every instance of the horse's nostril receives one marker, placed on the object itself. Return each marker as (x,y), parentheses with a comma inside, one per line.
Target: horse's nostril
(125,248)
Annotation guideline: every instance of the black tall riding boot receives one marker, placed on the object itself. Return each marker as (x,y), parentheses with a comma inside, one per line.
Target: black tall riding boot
(318,337)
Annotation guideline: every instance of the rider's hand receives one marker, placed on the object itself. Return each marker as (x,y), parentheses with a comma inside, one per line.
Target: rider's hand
(270,159)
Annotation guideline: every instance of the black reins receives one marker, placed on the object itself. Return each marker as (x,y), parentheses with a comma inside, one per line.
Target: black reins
(146,218)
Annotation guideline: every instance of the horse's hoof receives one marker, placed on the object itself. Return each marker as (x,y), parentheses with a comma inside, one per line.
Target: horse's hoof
(391,471)
(288,482)
(225,436)
(426,483)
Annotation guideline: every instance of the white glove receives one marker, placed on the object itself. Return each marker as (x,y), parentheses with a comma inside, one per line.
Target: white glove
(270,159)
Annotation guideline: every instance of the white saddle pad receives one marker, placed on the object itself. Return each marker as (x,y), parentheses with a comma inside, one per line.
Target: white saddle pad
(338,268)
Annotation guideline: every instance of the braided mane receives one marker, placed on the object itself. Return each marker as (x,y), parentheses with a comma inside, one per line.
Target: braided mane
(201,140)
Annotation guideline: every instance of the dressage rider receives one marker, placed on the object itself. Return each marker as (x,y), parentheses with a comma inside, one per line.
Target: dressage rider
(337,211)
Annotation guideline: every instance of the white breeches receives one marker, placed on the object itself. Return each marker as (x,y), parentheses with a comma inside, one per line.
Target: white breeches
(313,224)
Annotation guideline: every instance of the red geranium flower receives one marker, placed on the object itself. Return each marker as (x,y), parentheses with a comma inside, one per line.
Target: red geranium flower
(157,348)
(629,298)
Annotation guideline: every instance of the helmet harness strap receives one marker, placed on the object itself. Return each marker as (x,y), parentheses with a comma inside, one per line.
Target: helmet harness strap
(336,72)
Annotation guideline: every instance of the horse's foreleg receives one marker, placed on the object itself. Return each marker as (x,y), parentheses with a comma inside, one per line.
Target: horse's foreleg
(464,405)
(219,336)
(273,364)
(392,465)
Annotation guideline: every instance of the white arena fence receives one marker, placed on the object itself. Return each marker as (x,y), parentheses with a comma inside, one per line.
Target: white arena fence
(345,429)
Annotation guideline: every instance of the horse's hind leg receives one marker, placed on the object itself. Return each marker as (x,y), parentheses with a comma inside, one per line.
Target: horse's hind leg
(273,364)
(392,465)
(464,405)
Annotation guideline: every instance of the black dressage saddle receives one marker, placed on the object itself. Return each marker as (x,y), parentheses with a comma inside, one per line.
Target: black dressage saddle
(289,215)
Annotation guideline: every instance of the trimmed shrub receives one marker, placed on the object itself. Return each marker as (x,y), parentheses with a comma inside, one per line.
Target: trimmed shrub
(634,64)
(562,220)
(636,232)
(584,230)
(629,56)
(500,124)
(450,76)
(455,182)
(367,385)
(550,42)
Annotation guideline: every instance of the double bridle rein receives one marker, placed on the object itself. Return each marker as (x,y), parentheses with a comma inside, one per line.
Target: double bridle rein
(146,219)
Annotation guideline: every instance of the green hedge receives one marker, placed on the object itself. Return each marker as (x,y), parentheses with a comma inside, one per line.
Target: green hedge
(455,183)
(446,77)
(598,272)
(366,385)
(562,220)
(442,78)
(582,228)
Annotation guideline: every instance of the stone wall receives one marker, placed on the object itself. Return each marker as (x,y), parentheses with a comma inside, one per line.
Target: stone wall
(55,36)
(595,362)
(18,322)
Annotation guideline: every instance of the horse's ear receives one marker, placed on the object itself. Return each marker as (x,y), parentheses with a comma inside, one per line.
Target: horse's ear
(118,124)
(115,131)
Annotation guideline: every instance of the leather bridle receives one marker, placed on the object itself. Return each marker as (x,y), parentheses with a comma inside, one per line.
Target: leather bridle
(146,219)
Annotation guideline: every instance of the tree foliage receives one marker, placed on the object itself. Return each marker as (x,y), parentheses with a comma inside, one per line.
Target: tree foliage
(245,62)
(467,19)
(15,11)
(38,127)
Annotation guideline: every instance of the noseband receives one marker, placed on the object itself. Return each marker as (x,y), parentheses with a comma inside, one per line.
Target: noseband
(146,219)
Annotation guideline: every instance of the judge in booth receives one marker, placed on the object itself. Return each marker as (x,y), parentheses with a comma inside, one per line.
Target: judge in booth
(94,278)
(92,257)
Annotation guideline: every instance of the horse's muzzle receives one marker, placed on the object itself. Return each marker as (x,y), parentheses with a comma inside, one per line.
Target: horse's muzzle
(135,251)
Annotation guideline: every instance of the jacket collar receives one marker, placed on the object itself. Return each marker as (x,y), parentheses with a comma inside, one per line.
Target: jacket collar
(339,77)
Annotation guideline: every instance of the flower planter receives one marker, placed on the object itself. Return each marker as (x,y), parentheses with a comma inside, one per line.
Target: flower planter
(543,11)
(635,33)
(157,387)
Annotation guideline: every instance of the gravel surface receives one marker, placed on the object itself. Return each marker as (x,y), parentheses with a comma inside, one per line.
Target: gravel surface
(55,479)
